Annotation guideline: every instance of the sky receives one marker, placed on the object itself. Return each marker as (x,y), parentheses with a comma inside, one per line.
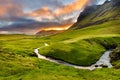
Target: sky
(31,16)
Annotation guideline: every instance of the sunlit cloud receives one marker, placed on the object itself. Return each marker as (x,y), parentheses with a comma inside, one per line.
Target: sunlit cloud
(9,9)
(49,14)
(77,5)
(29,16)
(42,13)
(4,32)
(59,27)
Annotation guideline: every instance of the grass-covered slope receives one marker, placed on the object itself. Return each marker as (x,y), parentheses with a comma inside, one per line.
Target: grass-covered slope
(17,64)
(17,67)
(81,47)
(111,28)
(84,46)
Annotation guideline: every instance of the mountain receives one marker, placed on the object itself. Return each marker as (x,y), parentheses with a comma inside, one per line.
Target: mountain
(116,2)
(98,14)
(49,32)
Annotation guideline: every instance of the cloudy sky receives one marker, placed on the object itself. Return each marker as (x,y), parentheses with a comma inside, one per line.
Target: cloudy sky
(31,16)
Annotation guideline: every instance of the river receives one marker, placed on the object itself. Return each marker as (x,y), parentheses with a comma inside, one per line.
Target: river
(104,60)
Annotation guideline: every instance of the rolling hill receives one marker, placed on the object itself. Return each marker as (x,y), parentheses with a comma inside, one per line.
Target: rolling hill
(100,31)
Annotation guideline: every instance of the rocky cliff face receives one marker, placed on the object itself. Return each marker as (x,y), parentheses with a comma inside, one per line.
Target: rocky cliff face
(115,57)
(88,10)
(98,14)
(115,2)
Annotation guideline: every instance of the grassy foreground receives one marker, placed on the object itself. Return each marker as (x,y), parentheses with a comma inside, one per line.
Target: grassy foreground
(17,64)
(17,67)
(82,47)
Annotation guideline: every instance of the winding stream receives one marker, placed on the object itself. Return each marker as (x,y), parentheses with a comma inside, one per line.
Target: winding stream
(104,60)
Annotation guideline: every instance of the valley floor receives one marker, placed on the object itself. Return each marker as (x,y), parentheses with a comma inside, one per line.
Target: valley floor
(17,64)
(79,47)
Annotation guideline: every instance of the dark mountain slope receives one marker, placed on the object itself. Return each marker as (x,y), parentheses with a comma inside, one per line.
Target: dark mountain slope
(97,14)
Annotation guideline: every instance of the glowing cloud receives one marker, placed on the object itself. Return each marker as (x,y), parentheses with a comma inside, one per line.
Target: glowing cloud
(9,9)
(77,5)
(42,11)
(59,27)
(45,12)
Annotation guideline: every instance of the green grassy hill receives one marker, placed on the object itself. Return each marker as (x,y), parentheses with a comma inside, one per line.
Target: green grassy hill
(83,46)
(16,62)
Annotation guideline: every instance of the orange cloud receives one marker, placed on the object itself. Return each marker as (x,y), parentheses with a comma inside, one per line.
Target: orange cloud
(45,11)
(77,5)
(59,27)
(10,10)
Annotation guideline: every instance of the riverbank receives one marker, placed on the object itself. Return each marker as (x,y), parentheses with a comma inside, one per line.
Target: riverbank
(103,61)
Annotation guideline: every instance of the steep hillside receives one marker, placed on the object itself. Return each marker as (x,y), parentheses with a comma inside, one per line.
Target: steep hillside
(115,57)
(98,14)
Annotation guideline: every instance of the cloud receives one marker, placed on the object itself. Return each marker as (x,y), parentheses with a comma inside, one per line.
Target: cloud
(42,13)
(63,9)
(40,8)
(33,27)
(94,2)
(31,5)
(64,12)
(10,10)
(45,14)
(58,27)
(77,5)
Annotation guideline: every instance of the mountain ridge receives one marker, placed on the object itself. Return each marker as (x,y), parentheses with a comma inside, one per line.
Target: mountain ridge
(98,14)
(49,32)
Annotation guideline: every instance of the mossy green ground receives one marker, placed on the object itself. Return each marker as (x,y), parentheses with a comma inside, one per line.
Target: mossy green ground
(82,47)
